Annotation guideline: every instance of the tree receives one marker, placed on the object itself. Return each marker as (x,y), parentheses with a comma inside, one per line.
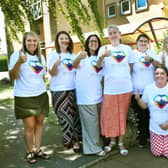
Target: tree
(76,13)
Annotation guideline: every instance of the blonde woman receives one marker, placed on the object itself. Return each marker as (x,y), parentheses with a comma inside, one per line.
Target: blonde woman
(116,60)
(27,68)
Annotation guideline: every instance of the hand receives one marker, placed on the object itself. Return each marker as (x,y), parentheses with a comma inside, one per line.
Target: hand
(148,58)
(82,55)
(58,62)
(164,126)
(22,58)
(106,53)
(163,58)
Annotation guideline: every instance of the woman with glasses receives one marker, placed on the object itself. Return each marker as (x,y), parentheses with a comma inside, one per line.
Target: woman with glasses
(142,75)
(89,95)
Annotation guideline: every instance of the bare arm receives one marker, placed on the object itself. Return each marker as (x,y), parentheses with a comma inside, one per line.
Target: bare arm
(81,56)
(14,73)
(54,70)
(140,102)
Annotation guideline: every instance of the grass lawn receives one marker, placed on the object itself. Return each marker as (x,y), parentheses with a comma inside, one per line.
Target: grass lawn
(3,63)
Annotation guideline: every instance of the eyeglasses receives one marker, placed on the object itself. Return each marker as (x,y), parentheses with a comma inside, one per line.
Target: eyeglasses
(143,41)
(93,41)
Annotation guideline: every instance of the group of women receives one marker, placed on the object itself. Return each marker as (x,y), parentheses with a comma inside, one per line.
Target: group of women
(91,92)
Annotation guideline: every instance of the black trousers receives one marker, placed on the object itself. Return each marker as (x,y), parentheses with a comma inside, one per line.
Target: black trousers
(143,121)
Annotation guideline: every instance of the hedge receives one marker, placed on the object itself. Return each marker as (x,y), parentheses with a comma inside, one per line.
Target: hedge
(3,63)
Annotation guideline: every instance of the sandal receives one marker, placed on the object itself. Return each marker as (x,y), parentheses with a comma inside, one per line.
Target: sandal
(42,155)
(30,157)
(101,153)
(110,146)
(123,151)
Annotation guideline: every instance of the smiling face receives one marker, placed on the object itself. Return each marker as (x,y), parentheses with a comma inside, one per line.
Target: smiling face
(93,44)
(31,44)
(63,41)
(142,44)
(160,76)
(114,34)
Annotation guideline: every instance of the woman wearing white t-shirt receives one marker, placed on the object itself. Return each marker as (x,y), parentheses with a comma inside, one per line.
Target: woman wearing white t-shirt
(27,68)
(116,60)
(62,86)
(163,56)
(142,75)
(155,97)
(89,95)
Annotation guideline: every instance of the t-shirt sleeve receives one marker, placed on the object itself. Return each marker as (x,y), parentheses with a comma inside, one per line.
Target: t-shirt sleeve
(131,55)
(145,95)
(13,59)
(153,55)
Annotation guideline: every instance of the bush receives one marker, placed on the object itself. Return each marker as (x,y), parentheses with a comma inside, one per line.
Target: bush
(3,63)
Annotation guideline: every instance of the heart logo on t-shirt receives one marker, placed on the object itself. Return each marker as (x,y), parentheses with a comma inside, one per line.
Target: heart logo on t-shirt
(36,66)
(160,101)
(68,63)
(118,56)
(145,63)
(93,64)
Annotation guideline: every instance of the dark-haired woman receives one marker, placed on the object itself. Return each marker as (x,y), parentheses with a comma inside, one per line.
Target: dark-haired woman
(27,67)
(142,75)
(155,97)
(62,86)
(89,95)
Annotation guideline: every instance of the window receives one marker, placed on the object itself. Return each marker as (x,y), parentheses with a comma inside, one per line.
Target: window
(125,7)
(111,10)
(36,9)
(141,5)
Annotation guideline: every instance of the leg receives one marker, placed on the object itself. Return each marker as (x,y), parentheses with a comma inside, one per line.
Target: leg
(29,124)
(156,142)
(38,137)
(38,131)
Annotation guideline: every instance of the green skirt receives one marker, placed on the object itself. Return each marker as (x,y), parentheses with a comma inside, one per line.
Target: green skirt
(31,106)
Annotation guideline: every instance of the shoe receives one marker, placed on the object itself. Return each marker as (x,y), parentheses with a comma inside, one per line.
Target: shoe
(30,157)
(123,151)
(101,153)
(42,155)
(110,146)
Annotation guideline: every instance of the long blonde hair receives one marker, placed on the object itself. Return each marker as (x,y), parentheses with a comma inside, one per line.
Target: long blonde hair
(24,49)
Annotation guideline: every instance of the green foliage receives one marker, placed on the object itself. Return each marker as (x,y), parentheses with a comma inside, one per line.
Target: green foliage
(98,17)
(77,14)
(132,128)
(3,63)
(159,47)
(15,11)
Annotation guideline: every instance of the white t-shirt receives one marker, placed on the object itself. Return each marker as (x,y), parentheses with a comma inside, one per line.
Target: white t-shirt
(143,72)
(117,78)
(65,78)
(88,82)
(30,81)
(157,100)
